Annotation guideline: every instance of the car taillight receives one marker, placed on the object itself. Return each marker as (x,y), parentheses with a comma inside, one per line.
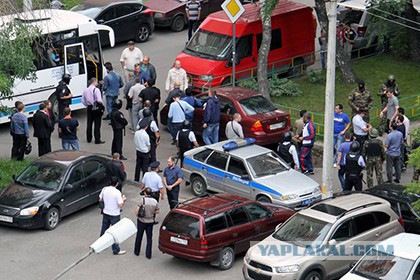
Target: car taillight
(401,221)
(203,243)
(257,126)
(122,165)
(148,12)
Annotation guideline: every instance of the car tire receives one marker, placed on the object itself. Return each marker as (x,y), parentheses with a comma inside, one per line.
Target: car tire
(313,275)
(178,24)
(54,104)
(52,218)
(198,186)
(263,198)
(143,33)
(226,258)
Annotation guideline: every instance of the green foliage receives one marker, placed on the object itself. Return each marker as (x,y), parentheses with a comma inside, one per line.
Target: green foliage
(251,84)
(414,160)
(278,87)
(316,76)
(10,167)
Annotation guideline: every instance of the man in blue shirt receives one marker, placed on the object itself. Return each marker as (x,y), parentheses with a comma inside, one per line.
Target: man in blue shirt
(393,153)
(112,85)
(341,125)
(176,115)
(172,178)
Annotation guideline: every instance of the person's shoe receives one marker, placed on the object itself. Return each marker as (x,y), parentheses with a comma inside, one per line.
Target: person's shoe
(106,118)
(89,141)
(311,173)
(135,253)
(121,252)
(305,172)
(397,181)
(335,165)
(173,142)
(100,142)
(155,222)
(123,158)
(149,257)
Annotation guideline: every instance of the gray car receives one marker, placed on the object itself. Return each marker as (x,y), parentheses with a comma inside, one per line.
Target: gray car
(250,171)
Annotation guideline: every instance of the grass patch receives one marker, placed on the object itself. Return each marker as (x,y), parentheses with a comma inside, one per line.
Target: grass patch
(10,167)
(374,71)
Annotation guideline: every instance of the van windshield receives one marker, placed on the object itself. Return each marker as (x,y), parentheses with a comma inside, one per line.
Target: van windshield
(209,45)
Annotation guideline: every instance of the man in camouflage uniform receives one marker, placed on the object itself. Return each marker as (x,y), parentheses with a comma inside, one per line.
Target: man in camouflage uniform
(390,84)
(360,97)
(374,153)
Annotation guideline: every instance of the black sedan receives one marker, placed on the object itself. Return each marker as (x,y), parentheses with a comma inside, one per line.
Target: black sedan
(400,203)
(129,19)
(53,186)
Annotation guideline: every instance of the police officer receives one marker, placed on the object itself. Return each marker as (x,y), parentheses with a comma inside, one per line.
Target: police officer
(153,132)
(374,153)
(287,151)
(185,140)
(63,95)
(118,123)
(354,167)
(153,181)
(360,97)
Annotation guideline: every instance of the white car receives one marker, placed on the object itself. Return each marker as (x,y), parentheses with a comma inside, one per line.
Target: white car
(403,263)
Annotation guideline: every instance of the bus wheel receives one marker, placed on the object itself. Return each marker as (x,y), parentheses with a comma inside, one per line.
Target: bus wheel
(54,103)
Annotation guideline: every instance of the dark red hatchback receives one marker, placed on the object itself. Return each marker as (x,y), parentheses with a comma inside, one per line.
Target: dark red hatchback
(216,228)
(261,119)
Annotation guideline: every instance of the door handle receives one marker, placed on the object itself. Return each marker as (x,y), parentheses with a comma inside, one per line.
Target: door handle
(235,234)
(204,168)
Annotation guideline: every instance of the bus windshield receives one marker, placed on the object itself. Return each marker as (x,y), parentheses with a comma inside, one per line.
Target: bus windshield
(209,45)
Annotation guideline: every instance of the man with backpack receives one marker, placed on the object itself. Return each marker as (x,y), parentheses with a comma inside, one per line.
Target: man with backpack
(185,140)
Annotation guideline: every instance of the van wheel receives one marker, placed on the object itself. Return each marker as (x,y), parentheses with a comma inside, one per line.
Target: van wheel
(52,218)
(263,198)
(143,33)
(198,186)
(54,104)
(178,24)
(226,258)
(296,69)
(313,275)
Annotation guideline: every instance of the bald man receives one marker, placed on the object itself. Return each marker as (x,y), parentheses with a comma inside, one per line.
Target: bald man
(176,73)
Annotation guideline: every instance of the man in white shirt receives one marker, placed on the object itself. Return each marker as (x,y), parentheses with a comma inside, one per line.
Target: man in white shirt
(234,128)
(113,201)
(360,127)
(129,57)
(176,73)
(142,143)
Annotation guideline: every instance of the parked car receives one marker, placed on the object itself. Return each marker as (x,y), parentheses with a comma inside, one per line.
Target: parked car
(216,228)
(251,171)
(400,203)
(171,13)
(403,263)
(53,186)
(130,19)
(261,119)
(344,222)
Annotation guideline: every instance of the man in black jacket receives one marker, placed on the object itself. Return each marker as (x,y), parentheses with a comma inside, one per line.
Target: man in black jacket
(42,129)
(118,123)
(63,95)
(117,170)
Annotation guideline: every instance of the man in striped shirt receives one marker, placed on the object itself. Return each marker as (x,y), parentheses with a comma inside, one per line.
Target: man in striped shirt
(193,9)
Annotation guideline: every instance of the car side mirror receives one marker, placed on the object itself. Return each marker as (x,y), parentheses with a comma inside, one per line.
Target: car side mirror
(14,177)
(68,187)
(101,21)
(332,242)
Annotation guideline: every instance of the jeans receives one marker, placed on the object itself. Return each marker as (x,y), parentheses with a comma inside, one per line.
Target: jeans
(341,178)
(211,133)
(141,228)
(109,101)
(306,158)
(108,221)
(175,127)
(173,197)
(323,59)
(338,139)
(393,162)
(192,27)
(74,144)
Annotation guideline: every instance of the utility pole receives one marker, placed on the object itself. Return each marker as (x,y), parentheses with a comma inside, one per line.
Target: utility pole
(327,168)
(27,5)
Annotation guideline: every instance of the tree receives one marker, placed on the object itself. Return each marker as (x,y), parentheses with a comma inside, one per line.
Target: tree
(414,160)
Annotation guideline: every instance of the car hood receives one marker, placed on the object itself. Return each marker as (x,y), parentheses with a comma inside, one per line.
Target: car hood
(18,196)
(197,65)
(289,182)
(164,6)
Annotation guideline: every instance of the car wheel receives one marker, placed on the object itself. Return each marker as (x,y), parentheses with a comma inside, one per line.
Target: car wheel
(296,69)
(198,186)
(263,198)
(54,104)
(313,275)
(143,33)
(226,258)
(52,218)
(178,24)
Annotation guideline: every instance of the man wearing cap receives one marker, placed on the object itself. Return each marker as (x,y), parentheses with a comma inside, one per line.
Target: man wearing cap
(374,153)
(360,127)
(153,181)
(360,97)
(142,143)
(172,178)
(129,57)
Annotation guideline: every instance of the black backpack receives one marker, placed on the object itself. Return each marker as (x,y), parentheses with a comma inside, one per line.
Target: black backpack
(142,210)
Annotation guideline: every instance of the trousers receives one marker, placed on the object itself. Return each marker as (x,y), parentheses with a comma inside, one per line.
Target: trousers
(173,197)
(107,221)
(44,146)
(141,228)
(391,163)
(117,142)
(19,145)
(93,120)
(142,163)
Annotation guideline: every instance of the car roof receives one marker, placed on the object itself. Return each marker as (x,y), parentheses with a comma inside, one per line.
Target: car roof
(405,245)
(394,192)
(241,152)
(236,93)
(211,205)
(103,3)
(65,157)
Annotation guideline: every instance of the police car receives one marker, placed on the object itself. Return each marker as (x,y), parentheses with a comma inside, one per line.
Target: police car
(239,167)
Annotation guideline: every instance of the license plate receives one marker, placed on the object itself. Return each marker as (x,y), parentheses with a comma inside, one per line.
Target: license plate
(276,126)
(6,219)
(179,240)
(307,201)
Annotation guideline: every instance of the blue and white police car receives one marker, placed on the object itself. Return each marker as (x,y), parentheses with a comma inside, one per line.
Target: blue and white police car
(241,168)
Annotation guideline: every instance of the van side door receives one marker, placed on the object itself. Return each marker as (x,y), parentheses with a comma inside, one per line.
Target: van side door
(246,57)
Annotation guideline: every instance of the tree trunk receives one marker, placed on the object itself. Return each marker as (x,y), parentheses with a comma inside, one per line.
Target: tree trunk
(263,86)
(414,35)
(342,60)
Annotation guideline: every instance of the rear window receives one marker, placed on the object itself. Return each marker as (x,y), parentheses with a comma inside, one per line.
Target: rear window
(183,225)
(256,105)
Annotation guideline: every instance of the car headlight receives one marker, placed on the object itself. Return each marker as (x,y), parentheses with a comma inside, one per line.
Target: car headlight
(206,78)
(289,197)
(29,211)
(158,15)
(317,190)
(287,268)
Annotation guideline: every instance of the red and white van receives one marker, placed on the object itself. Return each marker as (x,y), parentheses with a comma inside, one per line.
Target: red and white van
(208,55)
